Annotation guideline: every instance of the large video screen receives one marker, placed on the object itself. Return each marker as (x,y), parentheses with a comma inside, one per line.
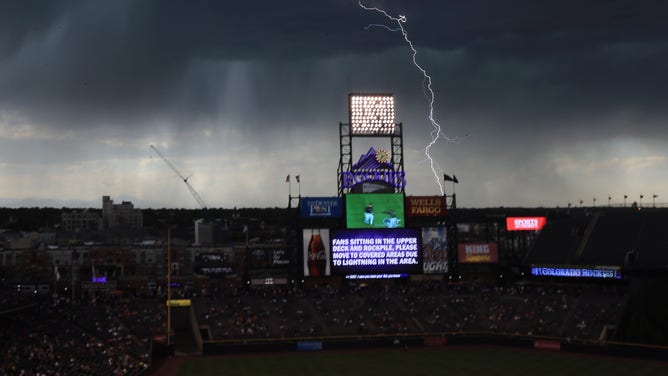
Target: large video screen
(375,210)
(376,251)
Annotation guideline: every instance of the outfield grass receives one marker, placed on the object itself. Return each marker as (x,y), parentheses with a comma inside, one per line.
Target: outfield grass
(448,361)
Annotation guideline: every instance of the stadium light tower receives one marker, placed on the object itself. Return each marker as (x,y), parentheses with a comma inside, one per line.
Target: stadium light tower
(371,115)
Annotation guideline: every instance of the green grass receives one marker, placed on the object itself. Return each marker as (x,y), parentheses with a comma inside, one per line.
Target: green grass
(448,361)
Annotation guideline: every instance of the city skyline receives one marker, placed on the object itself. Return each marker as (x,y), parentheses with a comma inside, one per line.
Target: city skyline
(551,103)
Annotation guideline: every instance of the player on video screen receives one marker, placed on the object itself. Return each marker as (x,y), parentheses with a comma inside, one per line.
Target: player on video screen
(368,215)
(392,221)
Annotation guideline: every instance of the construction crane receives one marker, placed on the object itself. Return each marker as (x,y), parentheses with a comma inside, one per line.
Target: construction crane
(185,179)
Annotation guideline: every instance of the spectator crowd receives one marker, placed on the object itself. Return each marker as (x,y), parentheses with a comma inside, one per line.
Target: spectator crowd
(111,335)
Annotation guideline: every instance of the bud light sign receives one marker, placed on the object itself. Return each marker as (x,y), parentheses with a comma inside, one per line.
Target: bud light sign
(321,207)
(434,250)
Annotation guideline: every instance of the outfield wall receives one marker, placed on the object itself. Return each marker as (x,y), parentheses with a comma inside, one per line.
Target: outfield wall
(433,340)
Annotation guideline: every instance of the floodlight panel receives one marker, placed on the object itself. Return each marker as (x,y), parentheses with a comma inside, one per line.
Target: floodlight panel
(372,114)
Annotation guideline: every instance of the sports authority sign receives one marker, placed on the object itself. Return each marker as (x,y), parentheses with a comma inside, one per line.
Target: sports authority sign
(525,223)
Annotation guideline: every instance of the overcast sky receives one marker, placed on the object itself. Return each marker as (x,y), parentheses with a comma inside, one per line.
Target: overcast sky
(554,101)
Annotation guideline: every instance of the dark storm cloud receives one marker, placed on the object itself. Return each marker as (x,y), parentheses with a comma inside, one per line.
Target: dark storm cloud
(127,62)
(21,20)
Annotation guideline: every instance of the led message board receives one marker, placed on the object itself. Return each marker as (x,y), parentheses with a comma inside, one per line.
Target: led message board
(525,223)
(377,276)
(603,272)
(374,210)
(376,251)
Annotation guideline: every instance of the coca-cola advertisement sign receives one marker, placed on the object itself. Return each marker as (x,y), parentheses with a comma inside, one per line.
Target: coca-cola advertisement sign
(525,223)
(316,252)
(478,253)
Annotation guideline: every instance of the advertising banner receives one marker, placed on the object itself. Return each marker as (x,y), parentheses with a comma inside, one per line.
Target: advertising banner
(478,253)
(218,263)
(316,252)
(321,207)
(266,281)
(376,251)
(257,258)
(262,256)
(279,257)
(214,263)
(434,250)
(542,344)
(309,345)
(425,206)
(525,223)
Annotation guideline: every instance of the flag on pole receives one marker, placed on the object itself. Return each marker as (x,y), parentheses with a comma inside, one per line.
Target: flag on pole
(57,272)
(287,178)
(92,266)
(297,178)
(452,178)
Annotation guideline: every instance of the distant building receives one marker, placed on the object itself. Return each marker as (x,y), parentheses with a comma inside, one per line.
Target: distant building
(122,215)
(80,221)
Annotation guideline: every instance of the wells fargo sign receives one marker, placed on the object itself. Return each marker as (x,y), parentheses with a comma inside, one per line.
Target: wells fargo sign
(425,206)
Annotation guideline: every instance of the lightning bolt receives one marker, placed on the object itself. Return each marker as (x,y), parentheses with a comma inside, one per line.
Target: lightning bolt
(427,90)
